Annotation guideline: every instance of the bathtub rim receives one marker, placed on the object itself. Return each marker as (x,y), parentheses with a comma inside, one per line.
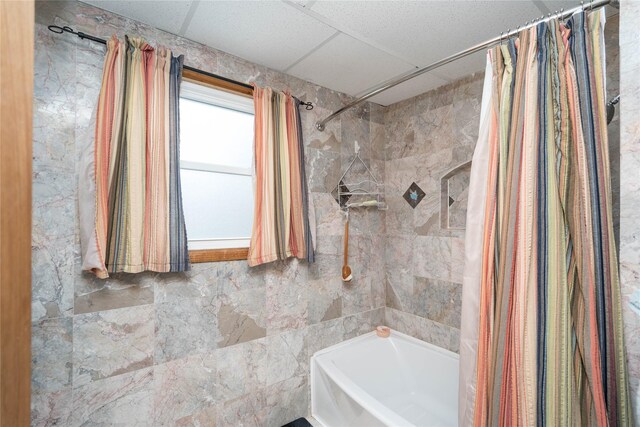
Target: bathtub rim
(354,391)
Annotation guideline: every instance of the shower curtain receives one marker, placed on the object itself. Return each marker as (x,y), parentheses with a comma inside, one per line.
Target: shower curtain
(541,340)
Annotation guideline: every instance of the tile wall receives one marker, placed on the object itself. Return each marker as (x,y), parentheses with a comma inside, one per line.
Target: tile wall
(427,137)
(629,185)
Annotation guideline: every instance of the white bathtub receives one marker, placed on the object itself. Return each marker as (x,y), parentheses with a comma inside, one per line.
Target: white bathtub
(398,381)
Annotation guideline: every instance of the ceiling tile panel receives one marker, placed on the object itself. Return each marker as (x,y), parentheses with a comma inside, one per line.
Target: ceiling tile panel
(265,32)
(348,65)
(408,89)
(555,5)
(462,67)
(304,3)
(164,15)
(550,6)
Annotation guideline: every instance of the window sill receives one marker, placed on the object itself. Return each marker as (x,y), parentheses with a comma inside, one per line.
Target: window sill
(217,255)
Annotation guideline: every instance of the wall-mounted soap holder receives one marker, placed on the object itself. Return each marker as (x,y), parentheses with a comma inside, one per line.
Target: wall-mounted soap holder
(362,191)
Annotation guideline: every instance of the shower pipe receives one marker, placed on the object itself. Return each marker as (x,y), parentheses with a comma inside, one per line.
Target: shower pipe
(60,30)
(484,45)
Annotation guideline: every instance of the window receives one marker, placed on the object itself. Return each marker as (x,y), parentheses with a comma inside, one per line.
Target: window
(216,158)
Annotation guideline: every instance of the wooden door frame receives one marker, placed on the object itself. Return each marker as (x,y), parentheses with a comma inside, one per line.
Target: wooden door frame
(16,123)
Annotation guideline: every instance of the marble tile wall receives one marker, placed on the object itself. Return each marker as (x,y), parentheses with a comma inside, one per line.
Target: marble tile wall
(629,185)
(427,137)
(222,344)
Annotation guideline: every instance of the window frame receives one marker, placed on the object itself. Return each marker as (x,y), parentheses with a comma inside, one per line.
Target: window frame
(231,253)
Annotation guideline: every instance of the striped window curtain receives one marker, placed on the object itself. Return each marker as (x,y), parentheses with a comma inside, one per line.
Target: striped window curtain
(139,223)
(545,292)
(281,221)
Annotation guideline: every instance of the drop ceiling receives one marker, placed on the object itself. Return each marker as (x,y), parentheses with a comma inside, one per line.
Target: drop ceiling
(348,46)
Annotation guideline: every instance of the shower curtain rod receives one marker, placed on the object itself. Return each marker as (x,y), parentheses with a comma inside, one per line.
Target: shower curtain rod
(489,43)
(60,30)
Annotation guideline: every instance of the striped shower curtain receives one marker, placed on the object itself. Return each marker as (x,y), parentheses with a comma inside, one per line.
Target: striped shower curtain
(282,214)
(138,221)
(543,341)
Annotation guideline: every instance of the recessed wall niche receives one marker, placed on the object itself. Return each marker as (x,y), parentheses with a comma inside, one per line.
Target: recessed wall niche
(454,191)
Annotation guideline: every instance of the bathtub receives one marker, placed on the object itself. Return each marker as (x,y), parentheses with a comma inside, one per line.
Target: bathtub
(398,381)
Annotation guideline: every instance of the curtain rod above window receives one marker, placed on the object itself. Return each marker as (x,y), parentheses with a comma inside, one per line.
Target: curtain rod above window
(484,45)
(60,30)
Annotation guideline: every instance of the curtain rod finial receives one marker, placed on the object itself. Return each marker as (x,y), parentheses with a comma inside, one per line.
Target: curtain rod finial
(320,126)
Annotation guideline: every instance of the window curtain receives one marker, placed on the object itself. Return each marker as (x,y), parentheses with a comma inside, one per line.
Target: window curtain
(282,214)
(130,204)
(542,303)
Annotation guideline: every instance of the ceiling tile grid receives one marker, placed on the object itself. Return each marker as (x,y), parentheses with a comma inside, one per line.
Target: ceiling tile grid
(348,46)
(348,65)
(269,33)
(168,18)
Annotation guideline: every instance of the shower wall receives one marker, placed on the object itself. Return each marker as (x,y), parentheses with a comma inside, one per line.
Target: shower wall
(430,140)
(427,136)
(630,190)
(222,344)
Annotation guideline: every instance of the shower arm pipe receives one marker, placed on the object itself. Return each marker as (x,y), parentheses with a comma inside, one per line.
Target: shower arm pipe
(484,45)
(61,30)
